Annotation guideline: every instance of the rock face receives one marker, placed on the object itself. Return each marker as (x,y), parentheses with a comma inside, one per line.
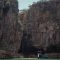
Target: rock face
(43,23)
(23,17)
(10,31)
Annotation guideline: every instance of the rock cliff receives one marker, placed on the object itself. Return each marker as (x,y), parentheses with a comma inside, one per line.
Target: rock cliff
(43,23)
(10,28)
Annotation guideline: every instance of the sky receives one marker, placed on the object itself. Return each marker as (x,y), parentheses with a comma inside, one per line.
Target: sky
(24,4)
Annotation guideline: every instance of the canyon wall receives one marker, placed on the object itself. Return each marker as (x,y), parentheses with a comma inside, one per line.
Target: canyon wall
(43,23)
(10,28)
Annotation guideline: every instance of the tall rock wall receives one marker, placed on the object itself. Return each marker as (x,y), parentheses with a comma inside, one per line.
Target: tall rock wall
(10,28)
(43,23)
